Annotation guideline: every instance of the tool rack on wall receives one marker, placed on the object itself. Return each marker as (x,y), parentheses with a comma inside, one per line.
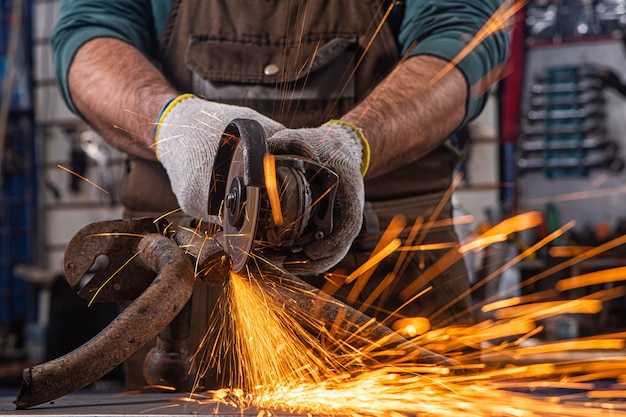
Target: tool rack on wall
(563,118)
(566,119)
(18,207)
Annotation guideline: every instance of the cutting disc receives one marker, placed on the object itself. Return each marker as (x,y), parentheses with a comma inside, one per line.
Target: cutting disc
(238,180)
(241,213)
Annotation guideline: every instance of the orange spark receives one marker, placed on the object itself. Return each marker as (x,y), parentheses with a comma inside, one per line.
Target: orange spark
(464,219)
(429,247)
(524,254)
(271,185)
(280,366)
(116,234)
(580,195)
(569,345)
(567,251)
(442,203)
(412,326)
(550,308)
(374,260)
(404,387)
(368,46)
(490,331)
(500,304)
(482,242)
(160,387)
(598,277)
(612,394)
(82,178)
(498,22)
(516,224)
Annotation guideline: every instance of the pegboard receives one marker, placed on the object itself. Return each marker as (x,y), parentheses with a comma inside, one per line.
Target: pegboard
(593,195)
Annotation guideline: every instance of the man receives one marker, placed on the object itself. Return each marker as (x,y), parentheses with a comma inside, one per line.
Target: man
(361,86)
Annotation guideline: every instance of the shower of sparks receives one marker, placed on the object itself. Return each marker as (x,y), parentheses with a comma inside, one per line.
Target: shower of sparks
(88,181)
(277,364)
(269,344)
(280,369)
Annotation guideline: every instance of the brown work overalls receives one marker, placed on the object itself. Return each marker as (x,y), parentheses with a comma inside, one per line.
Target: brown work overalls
(303,63)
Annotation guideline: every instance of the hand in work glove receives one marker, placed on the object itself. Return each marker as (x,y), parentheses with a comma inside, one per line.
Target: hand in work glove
(187,138)
(342,148)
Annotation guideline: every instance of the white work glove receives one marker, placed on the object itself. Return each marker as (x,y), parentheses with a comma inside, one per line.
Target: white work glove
(187,138)
(342,148)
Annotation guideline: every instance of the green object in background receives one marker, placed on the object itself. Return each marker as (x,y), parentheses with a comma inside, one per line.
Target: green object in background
(553,222)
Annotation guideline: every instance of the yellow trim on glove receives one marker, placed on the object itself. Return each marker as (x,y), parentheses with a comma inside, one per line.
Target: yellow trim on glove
(365,163)
(164,112)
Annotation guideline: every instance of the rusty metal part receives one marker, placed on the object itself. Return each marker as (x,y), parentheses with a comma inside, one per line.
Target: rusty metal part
(140,322)
(355,329)
(116,240)
(211,261)
(169,362)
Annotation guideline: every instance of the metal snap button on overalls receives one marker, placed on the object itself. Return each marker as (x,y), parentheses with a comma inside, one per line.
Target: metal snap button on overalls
(271,69)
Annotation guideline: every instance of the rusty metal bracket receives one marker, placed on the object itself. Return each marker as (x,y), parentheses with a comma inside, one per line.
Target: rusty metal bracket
(159,304)
(124,277)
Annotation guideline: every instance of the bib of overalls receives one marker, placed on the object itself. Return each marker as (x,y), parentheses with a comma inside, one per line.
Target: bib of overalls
(298,62)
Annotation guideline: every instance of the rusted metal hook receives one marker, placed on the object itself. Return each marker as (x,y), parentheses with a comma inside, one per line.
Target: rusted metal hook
(159,304)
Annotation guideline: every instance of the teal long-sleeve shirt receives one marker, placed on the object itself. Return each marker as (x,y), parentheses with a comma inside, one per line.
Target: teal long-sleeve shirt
(441,28)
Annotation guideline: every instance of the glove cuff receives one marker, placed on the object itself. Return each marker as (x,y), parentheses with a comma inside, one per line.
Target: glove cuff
(365,162)
(167,108)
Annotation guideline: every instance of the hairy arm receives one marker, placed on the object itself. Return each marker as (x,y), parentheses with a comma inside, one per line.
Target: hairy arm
(405,117)
(120,93)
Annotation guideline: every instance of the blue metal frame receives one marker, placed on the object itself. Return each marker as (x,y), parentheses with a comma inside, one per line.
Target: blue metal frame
(18,179)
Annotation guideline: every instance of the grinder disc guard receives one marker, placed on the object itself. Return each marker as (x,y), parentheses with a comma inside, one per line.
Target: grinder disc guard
(237,181)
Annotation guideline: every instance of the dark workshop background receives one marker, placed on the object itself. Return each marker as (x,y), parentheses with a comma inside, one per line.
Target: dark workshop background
(551,138)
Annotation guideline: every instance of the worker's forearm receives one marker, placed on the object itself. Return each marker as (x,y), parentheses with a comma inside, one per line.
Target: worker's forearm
(406,116)
(120,93)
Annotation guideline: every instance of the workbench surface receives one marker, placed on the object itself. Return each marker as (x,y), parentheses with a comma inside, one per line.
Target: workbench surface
(125,404)
(89,404)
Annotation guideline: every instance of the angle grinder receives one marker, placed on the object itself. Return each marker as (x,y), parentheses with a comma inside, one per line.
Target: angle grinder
(240,196)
